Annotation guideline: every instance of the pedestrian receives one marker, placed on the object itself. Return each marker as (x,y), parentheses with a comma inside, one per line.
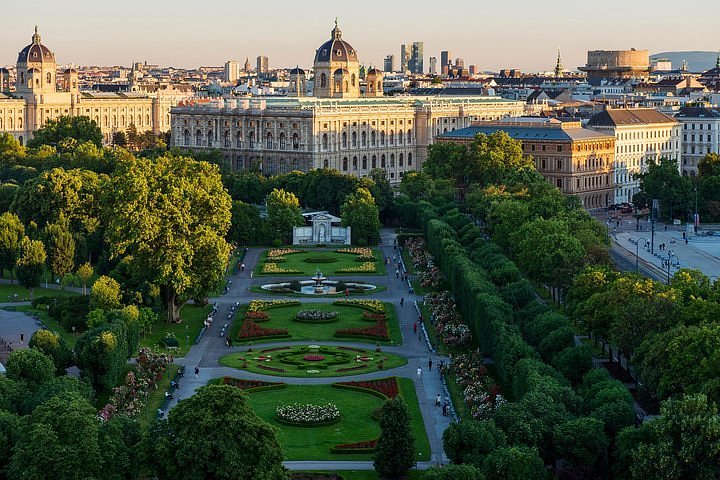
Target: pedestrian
(437,400)
(402,301)
(393,258)
(22,335)
(419,373)
(686,241)
(171,359)
(242,267)
(251,273)
(230,342)
(419,337)
(666,228)
(397,273)
(347,292)
(197,371)
(414,327)
(430,364)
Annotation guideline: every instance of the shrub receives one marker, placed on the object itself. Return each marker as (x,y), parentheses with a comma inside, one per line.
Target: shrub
(295,286)
(308,414)
(70,311)
(169,342)
(320,259)
(362,242)
(316,316)
(276,243)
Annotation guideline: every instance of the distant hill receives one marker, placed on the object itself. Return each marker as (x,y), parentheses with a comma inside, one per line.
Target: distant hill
(697,61)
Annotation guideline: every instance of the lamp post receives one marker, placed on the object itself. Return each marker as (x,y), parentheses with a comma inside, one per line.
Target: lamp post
(668,263)
(695,218)
(637,251)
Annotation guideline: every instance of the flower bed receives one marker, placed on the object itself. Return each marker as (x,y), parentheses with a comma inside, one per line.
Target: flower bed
(270,267)
(250,329)
(320,259)
(365,267)
(281,252)
(316,316)
(252,385)
(447,321)
(373,305)
(365,258)
(308,414)
(257,316)
(313,358)
(482,394)
(258,305)
(364,251)
(428,273)
(386,387)
(368,446)
(372,317)
(376,331)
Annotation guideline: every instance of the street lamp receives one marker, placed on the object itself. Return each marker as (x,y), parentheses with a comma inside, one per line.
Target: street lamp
(695,218)
(669,263)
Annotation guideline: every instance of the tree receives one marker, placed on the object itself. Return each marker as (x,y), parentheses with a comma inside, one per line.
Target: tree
(30,263)
(360,213)
(283,213)
(52,345)
(382,192)
(60,249)
(514,463)
(102,355)
(10,148)
(395,451)
(452,472)
(582,442)
(686,442)
(709,165)
(12,232)
(663,181)
(80,128)
(445,160)
(169,216)
(9,427)
(470,441)
(574,362)
(30,366)
(416,185)
(120,139)
(215,434)
(246,224)
(85,272)
(105,294)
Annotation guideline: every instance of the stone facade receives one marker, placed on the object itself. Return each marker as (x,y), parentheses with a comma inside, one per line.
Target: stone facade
(700,134)
(324,228)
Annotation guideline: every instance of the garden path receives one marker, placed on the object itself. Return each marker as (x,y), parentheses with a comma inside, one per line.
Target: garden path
(206,353)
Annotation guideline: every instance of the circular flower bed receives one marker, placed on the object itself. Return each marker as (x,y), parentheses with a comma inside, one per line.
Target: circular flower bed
(308,414)
(316,316)
(313,358)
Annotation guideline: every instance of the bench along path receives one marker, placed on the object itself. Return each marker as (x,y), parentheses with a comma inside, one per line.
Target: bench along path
(207,352)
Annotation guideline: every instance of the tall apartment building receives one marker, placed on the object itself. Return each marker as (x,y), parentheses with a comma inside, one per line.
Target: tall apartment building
(577,160)
(389,64)
(433,66)
(641,134)
(700,135)
(405,53)
(445,61)
(232,71)
(417,64)
(262,65)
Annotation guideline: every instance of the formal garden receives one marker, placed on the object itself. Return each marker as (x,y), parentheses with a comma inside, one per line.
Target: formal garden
(331,422)
(342,262)
(313,361)
(344,319)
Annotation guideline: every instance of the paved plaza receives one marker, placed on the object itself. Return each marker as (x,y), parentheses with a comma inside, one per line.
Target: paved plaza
(211,347)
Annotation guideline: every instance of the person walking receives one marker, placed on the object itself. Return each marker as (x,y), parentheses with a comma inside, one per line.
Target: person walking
(419,373)
(197,371)
(437,400)
(402,301)
(397,273)
(415,327)
(430,364)
(242,267)
(22,335)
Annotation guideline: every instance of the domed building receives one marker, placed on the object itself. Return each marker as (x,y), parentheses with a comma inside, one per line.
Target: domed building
(36,68)
(298,83)
(374,83)
(337,70)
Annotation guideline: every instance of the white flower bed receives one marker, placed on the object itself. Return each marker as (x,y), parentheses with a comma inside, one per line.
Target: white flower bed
(308,413)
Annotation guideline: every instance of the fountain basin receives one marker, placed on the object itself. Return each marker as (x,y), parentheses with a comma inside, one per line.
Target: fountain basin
(312,287)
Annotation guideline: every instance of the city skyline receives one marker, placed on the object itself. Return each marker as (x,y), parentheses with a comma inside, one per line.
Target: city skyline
(509,36)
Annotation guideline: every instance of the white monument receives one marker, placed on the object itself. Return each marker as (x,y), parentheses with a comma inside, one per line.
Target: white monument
(324,228)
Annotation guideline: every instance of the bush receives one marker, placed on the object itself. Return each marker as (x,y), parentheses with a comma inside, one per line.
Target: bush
(320,259)
(276,243)
(295,286)
(362,242)
(169,342)
(340,286)
(70,312)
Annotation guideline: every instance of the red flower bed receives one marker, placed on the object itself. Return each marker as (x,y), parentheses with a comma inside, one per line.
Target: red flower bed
(373,316)
(358,445)
(385,386)
(350,369)
(313,358)
(377,330)
(250,329)
(256,316)
(247,384)
(272,369)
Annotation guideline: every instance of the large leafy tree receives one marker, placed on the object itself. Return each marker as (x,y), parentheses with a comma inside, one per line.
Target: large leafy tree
(283,211)
(82,129)
(395,452)
(60,246)
(105,294)
(102,355)
(582,442)
(12,232)
(361,214)
(663,181)
(30,366)
(52,345)
(470,441)
(246,225)
(170,215)
(382,191)
(514,463)
(30,263)
(10,148)
(215,434)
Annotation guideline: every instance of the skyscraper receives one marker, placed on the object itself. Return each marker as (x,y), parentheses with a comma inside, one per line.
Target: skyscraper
(232,71)
(445,60)
(405,52)
(262,65)
(433,66)
(416,64)
(390,65)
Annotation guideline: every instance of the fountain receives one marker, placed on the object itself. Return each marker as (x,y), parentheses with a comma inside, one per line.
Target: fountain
(319,279)
(318,285)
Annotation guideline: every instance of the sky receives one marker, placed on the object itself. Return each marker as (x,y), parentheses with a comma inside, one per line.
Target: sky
(522,34)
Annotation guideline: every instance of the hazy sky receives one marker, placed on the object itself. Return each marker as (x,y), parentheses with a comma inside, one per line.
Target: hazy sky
(514,34)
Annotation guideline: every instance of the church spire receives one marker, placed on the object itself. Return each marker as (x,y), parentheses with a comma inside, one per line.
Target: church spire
(336,33)
(717,62)
(36,37)
(558,66)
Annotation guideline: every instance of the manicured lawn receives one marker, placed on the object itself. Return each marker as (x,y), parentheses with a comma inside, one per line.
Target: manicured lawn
(348,317)
(7,293)
(303,443)
(378,289)
(291,360)
(157,397)
(296,261)
(185,332)
(368,474)
(50,323)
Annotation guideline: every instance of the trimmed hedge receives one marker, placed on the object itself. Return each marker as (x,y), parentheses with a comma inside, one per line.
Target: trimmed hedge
(320,259)
(308,425)
(360,389)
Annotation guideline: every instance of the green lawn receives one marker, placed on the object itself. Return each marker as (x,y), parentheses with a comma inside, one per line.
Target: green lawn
(367,474)
(348,317)
(378,289)
(296,261)
(185,332)
(252,362)
(7,291)
(50,323)
(302,443)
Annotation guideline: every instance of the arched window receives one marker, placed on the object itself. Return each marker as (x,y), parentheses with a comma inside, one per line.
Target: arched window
(344,140)
(20,140)
(371,87)
(228,140)
(372,138)
(325,163)
(10,123)
(282,141)
(122,120)
(400,137)
(409,159)
(37,82)
(400,160)
(352,80)
(345,164)
(409,137)
(354,139)
(323,80)
(209,137)
(324,142)
(198,138)
(186,137)
(354,163)
(346,86)
(251,139)
(114,120)
(364,163)
(105,121)
(374,161)
(269,141)
(147,120)
(22,77)
(296,141)
(382,161)
(379,86)
(392,137)
(363,139)
(382,138)
(392,160)
(49,78)
(238,140)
